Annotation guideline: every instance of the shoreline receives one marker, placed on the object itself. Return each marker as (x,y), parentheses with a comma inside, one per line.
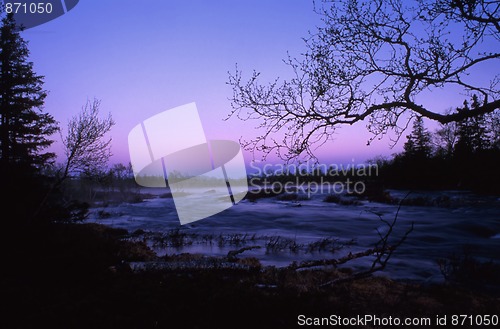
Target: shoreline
(273,224)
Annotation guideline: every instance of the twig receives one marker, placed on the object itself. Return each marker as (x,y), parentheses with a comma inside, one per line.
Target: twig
(383,251)
(231,255)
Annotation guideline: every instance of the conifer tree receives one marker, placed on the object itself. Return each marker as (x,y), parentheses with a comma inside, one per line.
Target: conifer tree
(473,135)
(418,145)
(24,127)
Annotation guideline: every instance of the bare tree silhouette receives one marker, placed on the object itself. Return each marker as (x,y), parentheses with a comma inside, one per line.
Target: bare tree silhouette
(86,148)
(374,61)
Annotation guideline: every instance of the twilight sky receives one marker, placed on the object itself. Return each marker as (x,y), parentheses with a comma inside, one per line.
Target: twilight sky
(143,57)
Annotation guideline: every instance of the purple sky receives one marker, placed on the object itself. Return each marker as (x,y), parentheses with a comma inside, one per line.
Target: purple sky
(141,58)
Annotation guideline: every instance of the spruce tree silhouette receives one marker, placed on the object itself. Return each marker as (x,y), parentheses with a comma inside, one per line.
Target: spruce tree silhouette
(24,127)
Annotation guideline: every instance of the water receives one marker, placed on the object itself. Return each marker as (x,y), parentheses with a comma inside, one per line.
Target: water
(470,226)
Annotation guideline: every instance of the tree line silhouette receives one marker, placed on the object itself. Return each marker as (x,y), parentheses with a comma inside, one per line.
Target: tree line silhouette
(461,155)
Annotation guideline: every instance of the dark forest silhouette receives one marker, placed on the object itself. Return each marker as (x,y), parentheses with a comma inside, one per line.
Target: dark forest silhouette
(462,155)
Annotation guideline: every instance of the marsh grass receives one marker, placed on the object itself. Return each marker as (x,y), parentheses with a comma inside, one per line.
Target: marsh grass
(77,276)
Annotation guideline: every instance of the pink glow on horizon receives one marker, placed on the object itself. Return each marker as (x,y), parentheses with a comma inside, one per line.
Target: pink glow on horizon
(142,60)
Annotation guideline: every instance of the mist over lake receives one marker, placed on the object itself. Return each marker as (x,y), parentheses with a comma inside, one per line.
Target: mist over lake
(468,225)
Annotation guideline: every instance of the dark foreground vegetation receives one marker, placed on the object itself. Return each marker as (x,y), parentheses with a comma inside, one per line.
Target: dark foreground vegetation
(78,276)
